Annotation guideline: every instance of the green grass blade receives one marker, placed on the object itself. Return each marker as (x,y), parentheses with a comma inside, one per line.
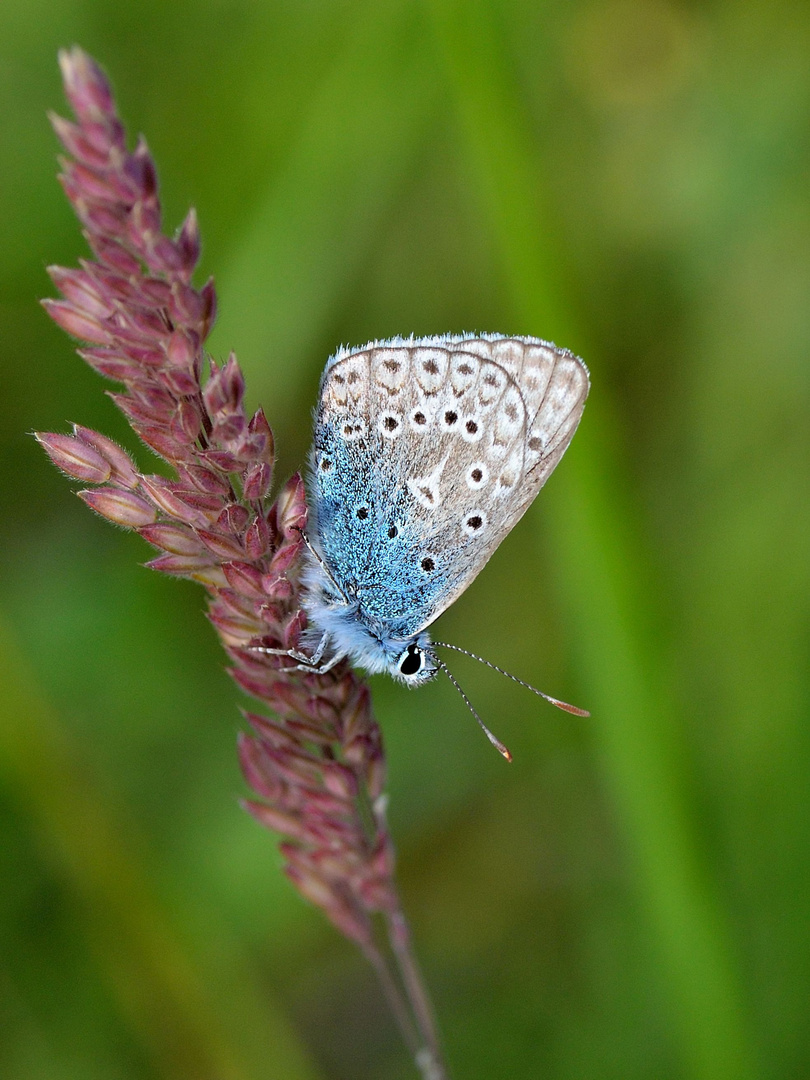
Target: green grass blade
(599,561)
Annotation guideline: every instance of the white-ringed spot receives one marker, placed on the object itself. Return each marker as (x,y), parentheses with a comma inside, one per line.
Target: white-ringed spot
(390,425)
(477,476)
(419,419)
(471,429)
(474,523)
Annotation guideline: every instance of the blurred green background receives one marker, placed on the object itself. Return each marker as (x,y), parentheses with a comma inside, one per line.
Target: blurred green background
(630,898)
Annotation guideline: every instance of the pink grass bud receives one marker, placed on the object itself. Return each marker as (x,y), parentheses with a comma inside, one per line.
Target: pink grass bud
(223,460)
(155,291)
(97,183)
(74,457)
(142,412)
(86,85)
(161,442)
(209,505)
(287,824)
(188,242)
(225,388)
(143,355)
(74,141)
(140,169)
(109,363)
(121,464)
(205,480)
(181,350)
(175,539)
(172,505)
(291,508)
(107,220)
(250,761)
(260,430)
(287,555)
(257,538)
(209,312)
(180,383)
(235,630)
(234,518)
(186,424)
(277,587)
(179,565)
(256,482)
(228,428)
(114,255)
(185,305)
(77,323)
(80,290)
(224,547)
(245,578)
(119,506)
(293,630)
(212,578)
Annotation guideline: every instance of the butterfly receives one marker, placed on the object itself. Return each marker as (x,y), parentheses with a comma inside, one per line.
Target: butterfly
(427,451)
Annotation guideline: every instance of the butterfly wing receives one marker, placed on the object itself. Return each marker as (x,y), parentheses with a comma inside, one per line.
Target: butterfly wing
(427,452)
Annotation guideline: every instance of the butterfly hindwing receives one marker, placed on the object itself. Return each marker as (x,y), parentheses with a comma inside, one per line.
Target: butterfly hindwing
(427,452)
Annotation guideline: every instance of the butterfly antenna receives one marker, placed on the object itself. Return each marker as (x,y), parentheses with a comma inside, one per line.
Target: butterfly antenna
(496,742)
(552,700)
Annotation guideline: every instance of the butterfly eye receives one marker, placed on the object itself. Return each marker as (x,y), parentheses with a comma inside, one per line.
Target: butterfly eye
(410,663)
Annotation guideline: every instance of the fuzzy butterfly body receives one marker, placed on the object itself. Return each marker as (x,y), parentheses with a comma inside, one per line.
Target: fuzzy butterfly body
(426,453)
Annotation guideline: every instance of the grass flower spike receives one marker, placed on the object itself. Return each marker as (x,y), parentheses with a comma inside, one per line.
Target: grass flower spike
(316,764)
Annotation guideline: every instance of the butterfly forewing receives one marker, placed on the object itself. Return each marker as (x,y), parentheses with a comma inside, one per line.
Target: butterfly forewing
(427,452)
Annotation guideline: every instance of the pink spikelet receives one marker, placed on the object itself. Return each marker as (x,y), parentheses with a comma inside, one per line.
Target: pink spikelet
(316,765)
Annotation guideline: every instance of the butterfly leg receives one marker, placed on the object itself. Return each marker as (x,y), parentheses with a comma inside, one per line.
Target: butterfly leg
(311,664)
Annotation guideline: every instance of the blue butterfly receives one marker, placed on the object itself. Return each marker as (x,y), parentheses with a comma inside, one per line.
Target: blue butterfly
(427,451)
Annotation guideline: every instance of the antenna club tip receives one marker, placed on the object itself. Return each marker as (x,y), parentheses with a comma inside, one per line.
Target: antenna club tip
(573,709)
(507,755)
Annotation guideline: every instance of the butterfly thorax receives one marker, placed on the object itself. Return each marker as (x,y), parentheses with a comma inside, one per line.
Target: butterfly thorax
(358,634)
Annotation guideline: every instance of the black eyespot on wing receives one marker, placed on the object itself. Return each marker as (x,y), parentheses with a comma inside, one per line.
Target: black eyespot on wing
(471,427)
(475,522)
(476,476)
(362,513)
(419,418)
(326,464)
(428,565)
(450,417)
(390,423)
